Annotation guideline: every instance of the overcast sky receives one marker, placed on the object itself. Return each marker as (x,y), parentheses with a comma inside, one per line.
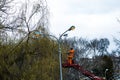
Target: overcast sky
(92,18)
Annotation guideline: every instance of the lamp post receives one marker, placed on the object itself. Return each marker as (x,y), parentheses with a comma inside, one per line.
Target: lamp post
(59,50)
(59,46)
(105,73)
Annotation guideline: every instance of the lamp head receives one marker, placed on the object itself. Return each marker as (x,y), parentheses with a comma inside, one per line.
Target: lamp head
(106,69)
(71,28)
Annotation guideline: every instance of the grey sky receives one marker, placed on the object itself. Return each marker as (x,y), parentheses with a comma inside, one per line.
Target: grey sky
(92,18)
(89,16)
(94,6)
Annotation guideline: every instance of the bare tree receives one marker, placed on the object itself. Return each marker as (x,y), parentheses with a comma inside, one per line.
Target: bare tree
(23,17)
(86,52)
(32,15)
(4,7)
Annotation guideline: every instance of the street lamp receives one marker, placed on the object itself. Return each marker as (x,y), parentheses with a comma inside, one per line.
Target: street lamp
(59,49)
(105,73)
(59,46)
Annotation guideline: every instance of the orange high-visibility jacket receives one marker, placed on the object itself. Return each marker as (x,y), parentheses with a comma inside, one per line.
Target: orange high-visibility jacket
(71,53)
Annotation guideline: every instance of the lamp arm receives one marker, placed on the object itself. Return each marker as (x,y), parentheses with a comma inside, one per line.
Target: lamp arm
(62,35)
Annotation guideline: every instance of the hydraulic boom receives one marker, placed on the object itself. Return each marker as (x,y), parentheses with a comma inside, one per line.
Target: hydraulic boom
(83,71)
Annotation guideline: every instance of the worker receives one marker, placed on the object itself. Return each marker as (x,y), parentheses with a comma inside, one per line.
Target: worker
(70,55)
